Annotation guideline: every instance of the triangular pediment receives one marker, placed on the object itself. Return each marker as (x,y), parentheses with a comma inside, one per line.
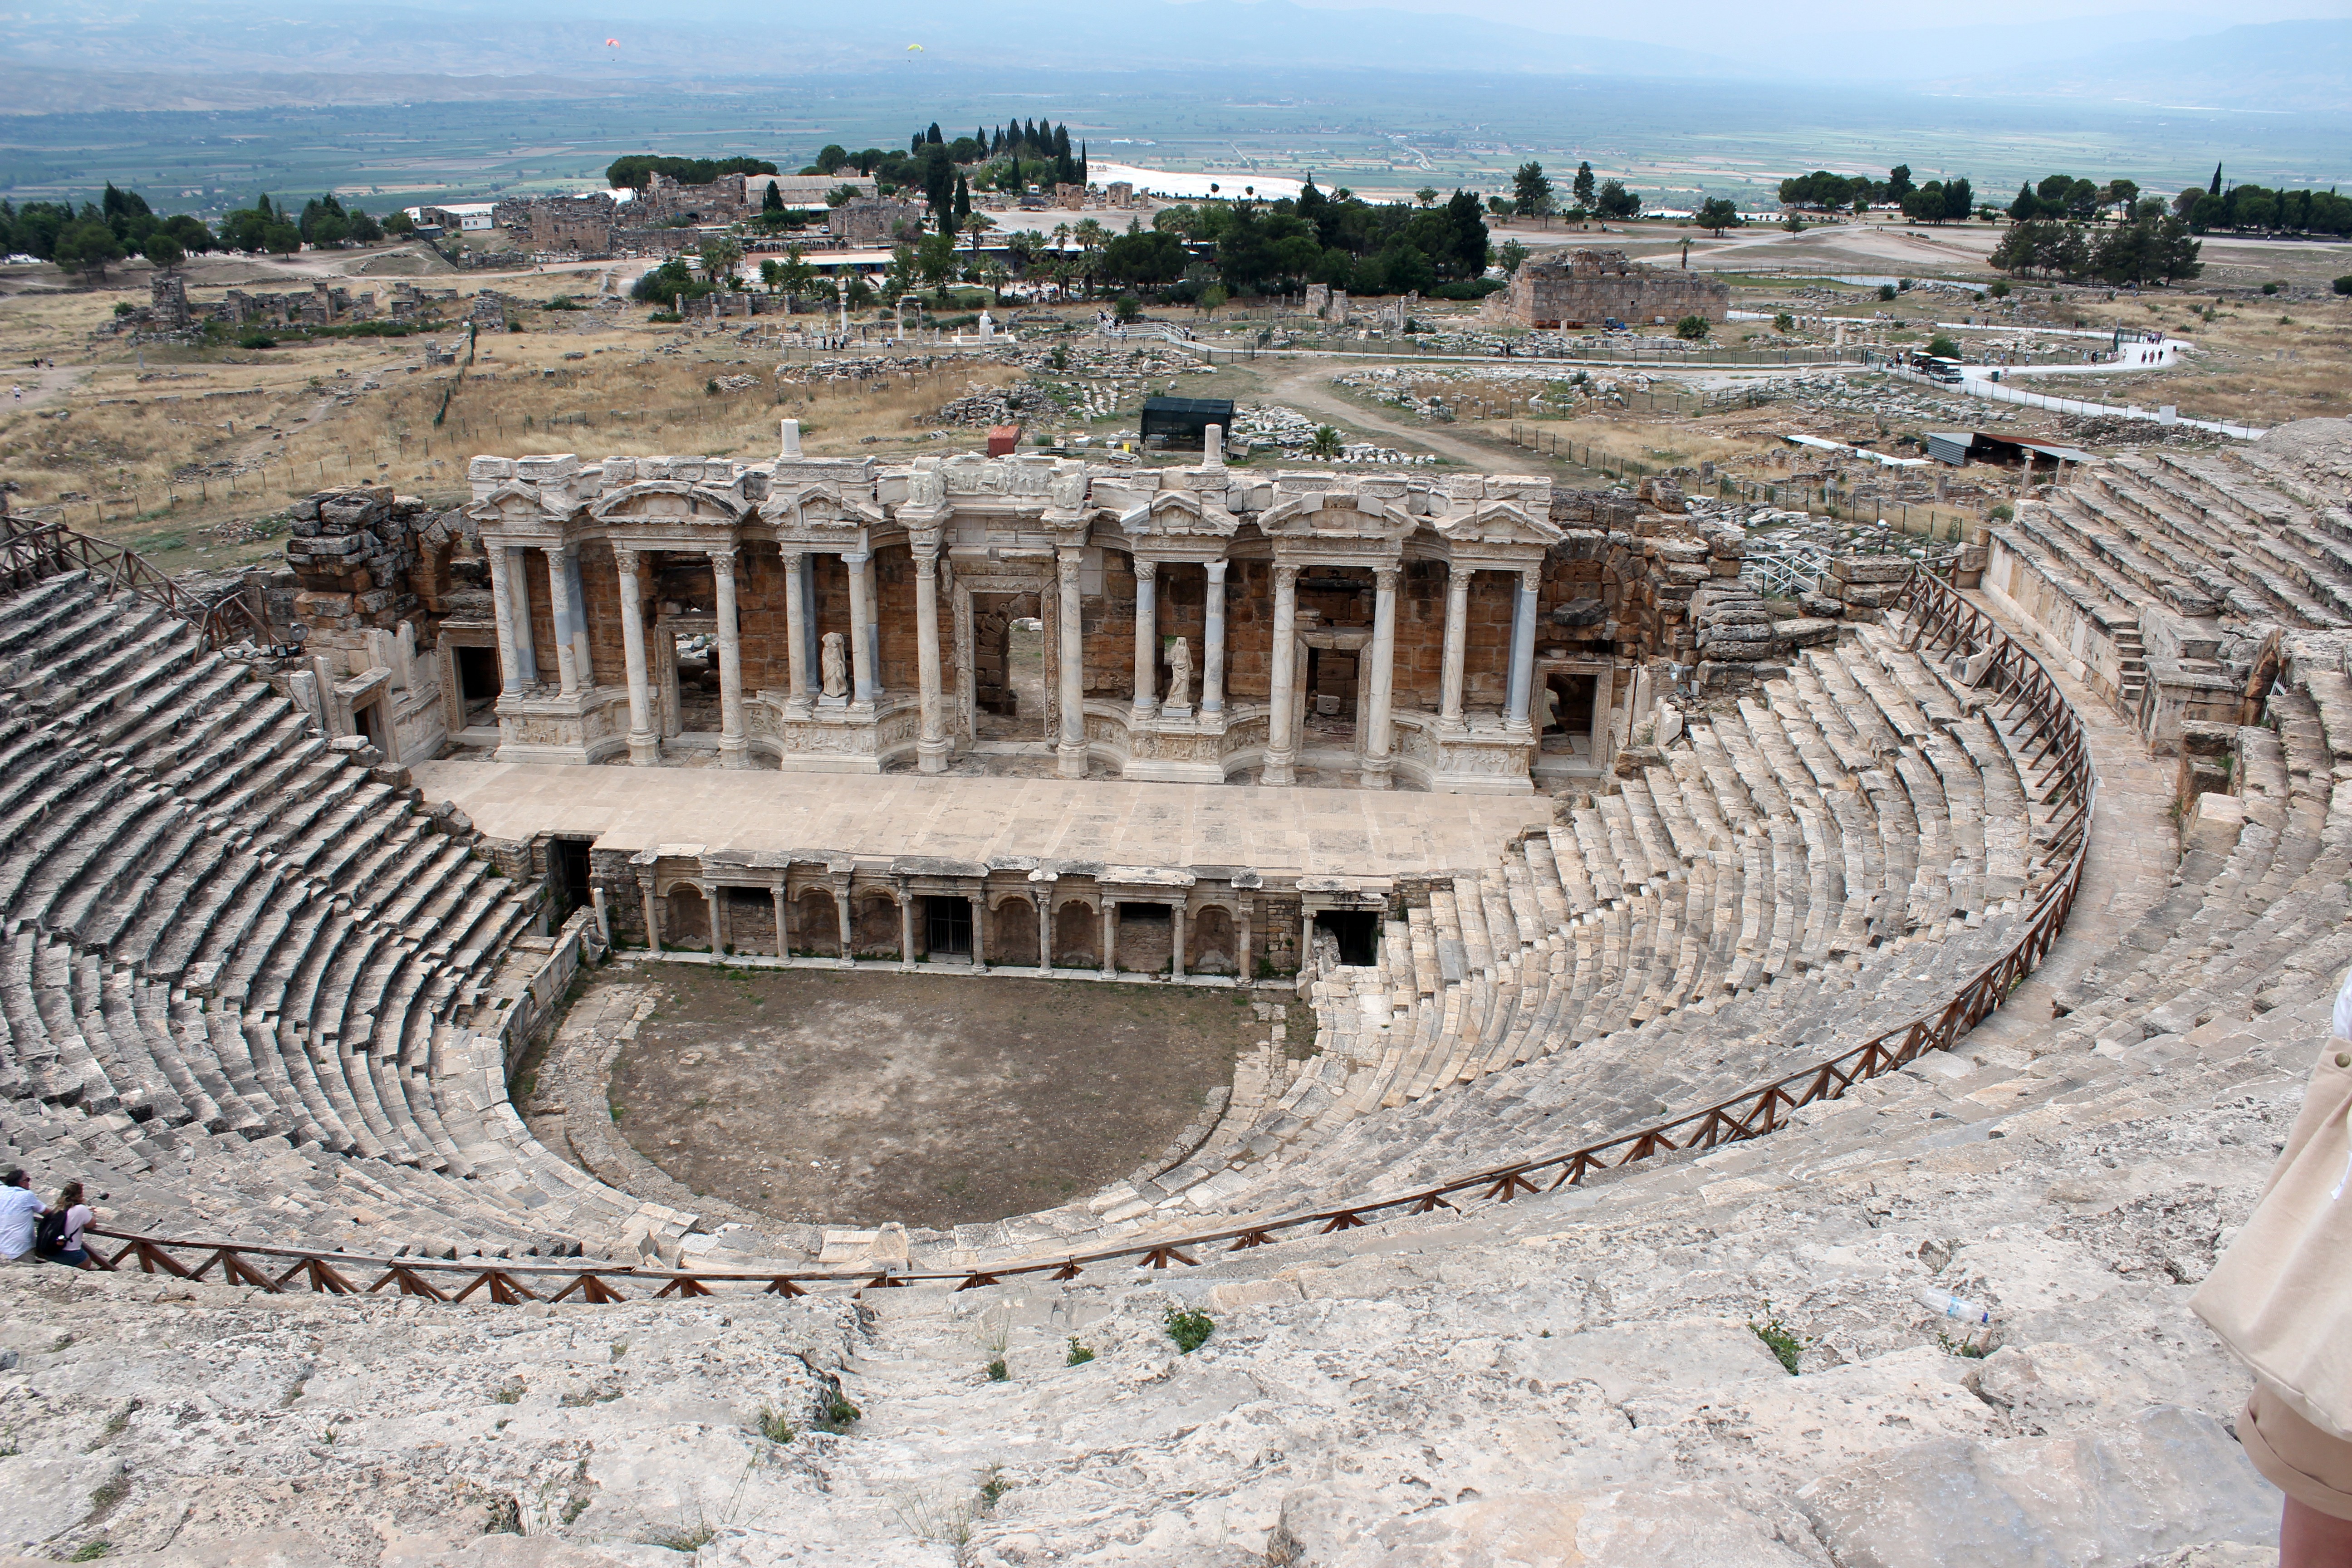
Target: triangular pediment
(675,500)
(1181,514)
(1336,515)
(514,503)
(820,506)
(1498,522)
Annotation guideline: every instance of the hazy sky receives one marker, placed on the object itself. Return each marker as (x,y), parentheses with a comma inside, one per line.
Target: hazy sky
(1710,24)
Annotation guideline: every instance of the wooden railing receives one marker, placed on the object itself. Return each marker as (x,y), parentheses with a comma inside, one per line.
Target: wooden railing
(2056,764)
(31,552)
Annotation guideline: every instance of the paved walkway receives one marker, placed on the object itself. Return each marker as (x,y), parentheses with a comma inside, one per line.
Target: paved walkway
(1290,832)
(2134,849)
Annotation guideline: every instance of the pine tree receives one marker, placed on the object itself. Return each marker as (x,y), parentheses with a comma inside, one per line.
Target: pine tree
(1582,188)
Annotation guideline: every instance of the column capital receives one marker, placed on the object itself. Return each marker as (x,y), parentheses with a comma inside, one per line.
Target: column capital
(722,560)
(1215,569)
(1385,577)
(1146,570)
(625,556)
(1531,579)
(854,559)
(559,550)
(1285,575)
(1066,562)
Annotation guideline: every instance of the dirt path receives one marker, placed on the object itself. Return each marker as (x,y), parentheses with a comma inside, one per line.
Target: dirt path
(1310,392)
(29,388)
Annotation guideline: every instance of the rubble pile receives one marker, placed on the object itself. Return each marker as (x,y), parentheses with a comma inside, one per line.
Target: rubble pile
(1291,433)
(986,405)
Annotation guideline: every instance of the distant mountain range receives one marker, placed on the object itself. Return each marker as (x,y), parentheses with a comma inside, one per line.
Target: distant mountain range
(143,54)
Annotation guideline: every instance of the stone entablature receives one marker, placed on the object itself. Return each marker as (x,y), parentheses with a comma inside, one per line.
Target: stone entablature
(1586,288)
(1199,625)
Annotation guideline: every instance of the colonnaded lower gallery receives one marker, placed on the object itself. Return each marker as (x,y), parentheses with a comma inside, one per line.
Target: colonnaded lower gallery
(1198,625)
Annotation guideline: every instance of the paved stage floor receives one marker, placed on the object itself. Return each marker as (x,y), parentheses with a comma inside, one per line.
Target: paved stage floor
(1293,831)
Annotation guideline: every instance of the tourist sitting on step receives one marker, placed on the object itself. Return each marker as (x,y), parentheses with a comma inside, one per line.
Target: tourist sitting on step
(2281,1298)
(59,1237)
(20,1216)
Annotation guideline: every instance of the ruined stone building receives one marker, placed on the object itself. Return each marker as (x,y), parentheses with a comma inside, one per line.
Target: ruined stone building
(1585,288)
(874,220)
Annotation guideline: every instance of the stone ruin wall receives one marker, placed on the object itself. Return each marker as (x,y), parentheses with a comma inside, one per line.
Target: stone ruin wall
(1590,287)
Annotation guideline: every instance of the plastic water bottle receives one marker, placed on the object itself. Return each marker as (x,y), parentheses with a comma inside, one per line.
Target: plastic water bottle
(1958,1308)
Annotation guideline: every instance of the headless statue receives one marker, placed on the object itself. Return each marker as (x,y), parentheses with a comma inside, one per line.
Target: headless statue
(1180,674)
(830,662)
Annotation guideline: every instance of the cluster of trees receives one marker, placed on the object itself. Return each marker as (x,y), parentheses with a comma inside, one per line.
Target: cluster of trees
(2255,208)
(2151,246)
(637,171)
(92,238)
(1534,195)
(1022,151)
(1822,191)
(2065,196)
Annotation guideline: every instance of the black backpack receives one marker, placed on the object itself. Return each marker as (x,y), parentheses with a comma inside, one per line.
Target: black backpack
(49,1236)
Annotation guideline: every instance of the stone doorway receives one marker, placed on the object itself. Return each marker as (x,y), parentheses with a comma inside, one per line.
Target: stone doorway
(478,687)
(1008,674)
(1357,933)
(1570,699)
(947,927)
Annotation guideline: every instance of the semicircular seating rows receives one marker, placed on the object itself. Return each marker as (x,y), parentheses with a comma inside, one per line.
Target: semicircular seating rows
(235,965)
(1813,864)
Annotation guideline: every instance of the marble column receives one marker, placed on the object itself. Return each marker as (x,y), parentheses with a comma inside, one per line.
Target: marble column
(722,934)
(841,909)
(526,641)
(1109,936)
(796,629)
(1046,931)
(1281,740)
(783,920)
(932,748)
(581,647)
(1146,639)
(861,646)
(1380,762)
(1176,931)
(906,928)
(645,748)
(980,933)
(1213,634)
(1070,639)
(1523,649)
(652,914)
(510,675)
(559,600)
(732,751)
(1457,639)
(1243,968)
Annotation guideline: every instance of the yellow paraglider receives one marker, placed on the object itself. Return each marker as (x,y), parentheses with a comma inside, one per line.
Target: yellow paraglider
(914,48)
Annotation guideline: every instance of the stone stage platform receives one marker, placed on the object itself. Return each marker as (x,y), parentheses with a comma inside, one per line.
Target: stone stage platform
(1293,831)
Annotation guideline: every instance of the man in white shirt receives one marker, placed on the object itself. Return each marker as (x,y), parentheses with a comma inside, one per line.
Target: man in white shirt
(20,1214)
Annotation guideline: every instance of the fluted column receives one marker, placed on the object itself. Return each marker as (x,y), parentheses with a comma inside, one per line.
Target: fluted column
(526,641)
(1146,639)
(510,675)
(559,602)
(733,752)
(1457,638)
(1071,645)
(1212,633)
(645,748)
(861,618)
(932,748)
(1523,649)
(796,701)
(582,648)
(1379,764)
(1281,740)
(1045,930)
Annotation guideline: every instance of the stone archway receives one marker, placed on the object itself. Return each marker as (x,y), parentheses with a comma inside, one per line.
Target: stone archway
(816,924)
(686,919)
(1077,938)
(873,930)
(1013,933)
(1210,946)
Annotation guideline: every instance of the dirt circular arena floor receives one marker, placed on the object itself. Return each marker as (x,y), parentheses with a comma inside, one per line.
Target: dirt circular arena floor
(849,1097)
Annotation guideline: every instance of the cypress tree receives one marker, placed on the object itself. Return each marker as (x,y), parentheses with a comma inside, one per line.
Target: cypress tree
(933,136)
(962,200)
(2215,188)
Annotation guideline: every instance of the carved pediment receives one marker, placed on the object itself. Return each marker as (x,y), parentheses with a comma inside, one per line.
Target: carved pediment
(819,507)
(1498,522)
(1336,515)
(1177,514)
(516,505)
(671,500)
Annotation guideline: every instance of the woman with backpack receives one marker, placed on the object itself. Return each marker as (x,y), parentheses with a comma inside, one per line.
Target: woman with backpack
(59,1239)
